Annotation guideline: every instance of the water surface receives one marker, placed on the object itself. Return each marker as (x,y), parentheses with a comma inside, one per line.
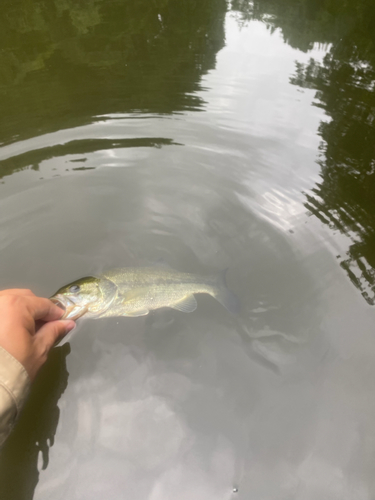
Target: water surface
(210,136)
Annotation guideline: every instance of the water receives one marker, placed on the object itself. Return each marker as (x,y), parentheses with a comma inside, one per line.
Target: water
(211,136)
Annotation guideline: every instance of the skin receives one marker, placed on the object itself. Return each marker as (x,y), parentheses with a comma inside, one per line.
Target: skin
(29,327)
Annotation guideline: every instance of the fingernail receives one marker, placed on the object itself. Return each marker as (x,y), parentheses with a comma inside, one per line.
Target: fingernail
(69,326)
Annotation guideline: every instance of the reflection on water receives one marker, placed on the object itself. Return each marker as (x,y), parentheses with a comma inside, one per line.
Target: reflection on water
(191,132)
(33,159)
(344,198)
(63,63)
(35,431)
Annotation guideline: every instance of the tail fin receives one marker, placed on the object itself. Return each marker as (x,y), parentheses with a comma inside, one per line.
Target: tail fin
(225,296)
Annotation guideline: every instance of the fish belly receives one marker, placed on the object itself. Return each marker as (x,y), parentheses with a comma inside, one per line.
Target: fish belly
(140,301)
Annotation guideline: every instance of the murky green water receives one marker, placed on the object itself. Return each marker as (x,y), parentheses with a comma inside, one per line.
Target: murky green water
(211,136)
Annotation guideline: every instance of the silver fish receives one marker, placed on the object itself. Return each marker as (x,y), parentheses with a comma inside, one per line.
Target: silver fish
(131,291)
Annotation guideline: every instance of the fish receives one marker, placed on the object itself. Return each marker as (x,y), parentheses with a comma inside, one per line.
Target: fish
(136,291)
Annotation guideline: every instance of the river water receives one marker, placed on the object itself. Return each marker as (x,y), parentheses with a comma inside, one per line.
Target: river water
(210,136)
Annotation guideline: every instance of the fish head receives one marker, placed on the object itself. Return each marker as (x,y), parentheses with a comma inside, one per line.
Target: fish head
(89,296)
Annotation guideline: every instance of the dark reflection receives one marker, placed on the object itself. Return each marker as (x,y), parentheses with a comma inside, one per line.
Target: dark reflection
(302,22)
(32,159)
(35,431)
(63,62)
(344,199)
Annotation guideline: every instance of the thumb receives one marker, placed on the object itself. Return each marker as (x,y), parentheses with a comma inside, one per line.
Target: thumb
(52,332)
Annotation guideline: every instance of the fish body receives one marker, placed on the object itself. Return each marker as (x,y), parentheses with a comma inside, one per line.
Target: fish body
(131,291)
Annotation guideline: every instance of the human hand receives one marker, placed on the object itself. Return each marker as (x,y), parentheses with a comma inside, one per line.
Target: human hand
(29,327)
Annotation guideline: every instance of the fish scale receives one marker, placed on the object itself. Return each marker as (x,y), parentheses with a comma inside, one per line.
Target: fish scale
(137,291)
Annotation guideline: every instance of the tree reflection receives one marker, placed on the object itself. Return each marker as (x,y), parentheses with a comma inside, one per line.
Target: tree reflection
(345,197)
(64,62)
(345,85)
(35,431)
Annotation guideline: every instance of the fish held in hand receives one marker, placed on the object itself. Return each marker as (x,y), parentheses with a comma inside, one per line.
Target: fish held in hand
(137,291)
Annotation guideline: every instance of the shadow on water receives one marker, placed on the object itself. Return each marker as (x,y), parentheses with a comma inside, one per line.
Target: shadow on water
(35,431)
(344,198)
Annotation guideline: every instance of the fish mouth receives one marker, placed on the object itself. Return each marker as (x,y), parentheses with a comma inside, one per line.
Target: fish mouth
(58,302)
(71,310)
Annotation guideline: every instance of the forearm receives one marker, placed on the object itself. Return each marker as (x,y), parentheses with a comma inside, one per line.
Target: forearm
(14,389)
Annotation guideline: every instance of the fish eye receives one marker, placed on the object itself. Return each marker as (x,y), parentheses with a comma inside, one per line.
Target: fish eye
(74,288)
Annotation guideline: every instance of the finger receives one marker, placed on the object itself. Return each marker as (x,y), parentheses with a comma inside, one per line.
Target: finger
(44,309)
(52,332)
(17,291)
(38,325)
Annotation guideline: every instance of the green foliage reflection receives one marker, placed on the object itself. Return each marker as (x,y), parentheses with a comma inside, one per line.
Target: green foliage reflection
(345,85)
(63,62)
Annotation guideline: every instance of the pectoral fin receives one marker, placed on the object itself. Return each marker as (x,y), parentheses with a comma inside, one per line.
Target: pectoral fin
(187,304)
(129,304)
